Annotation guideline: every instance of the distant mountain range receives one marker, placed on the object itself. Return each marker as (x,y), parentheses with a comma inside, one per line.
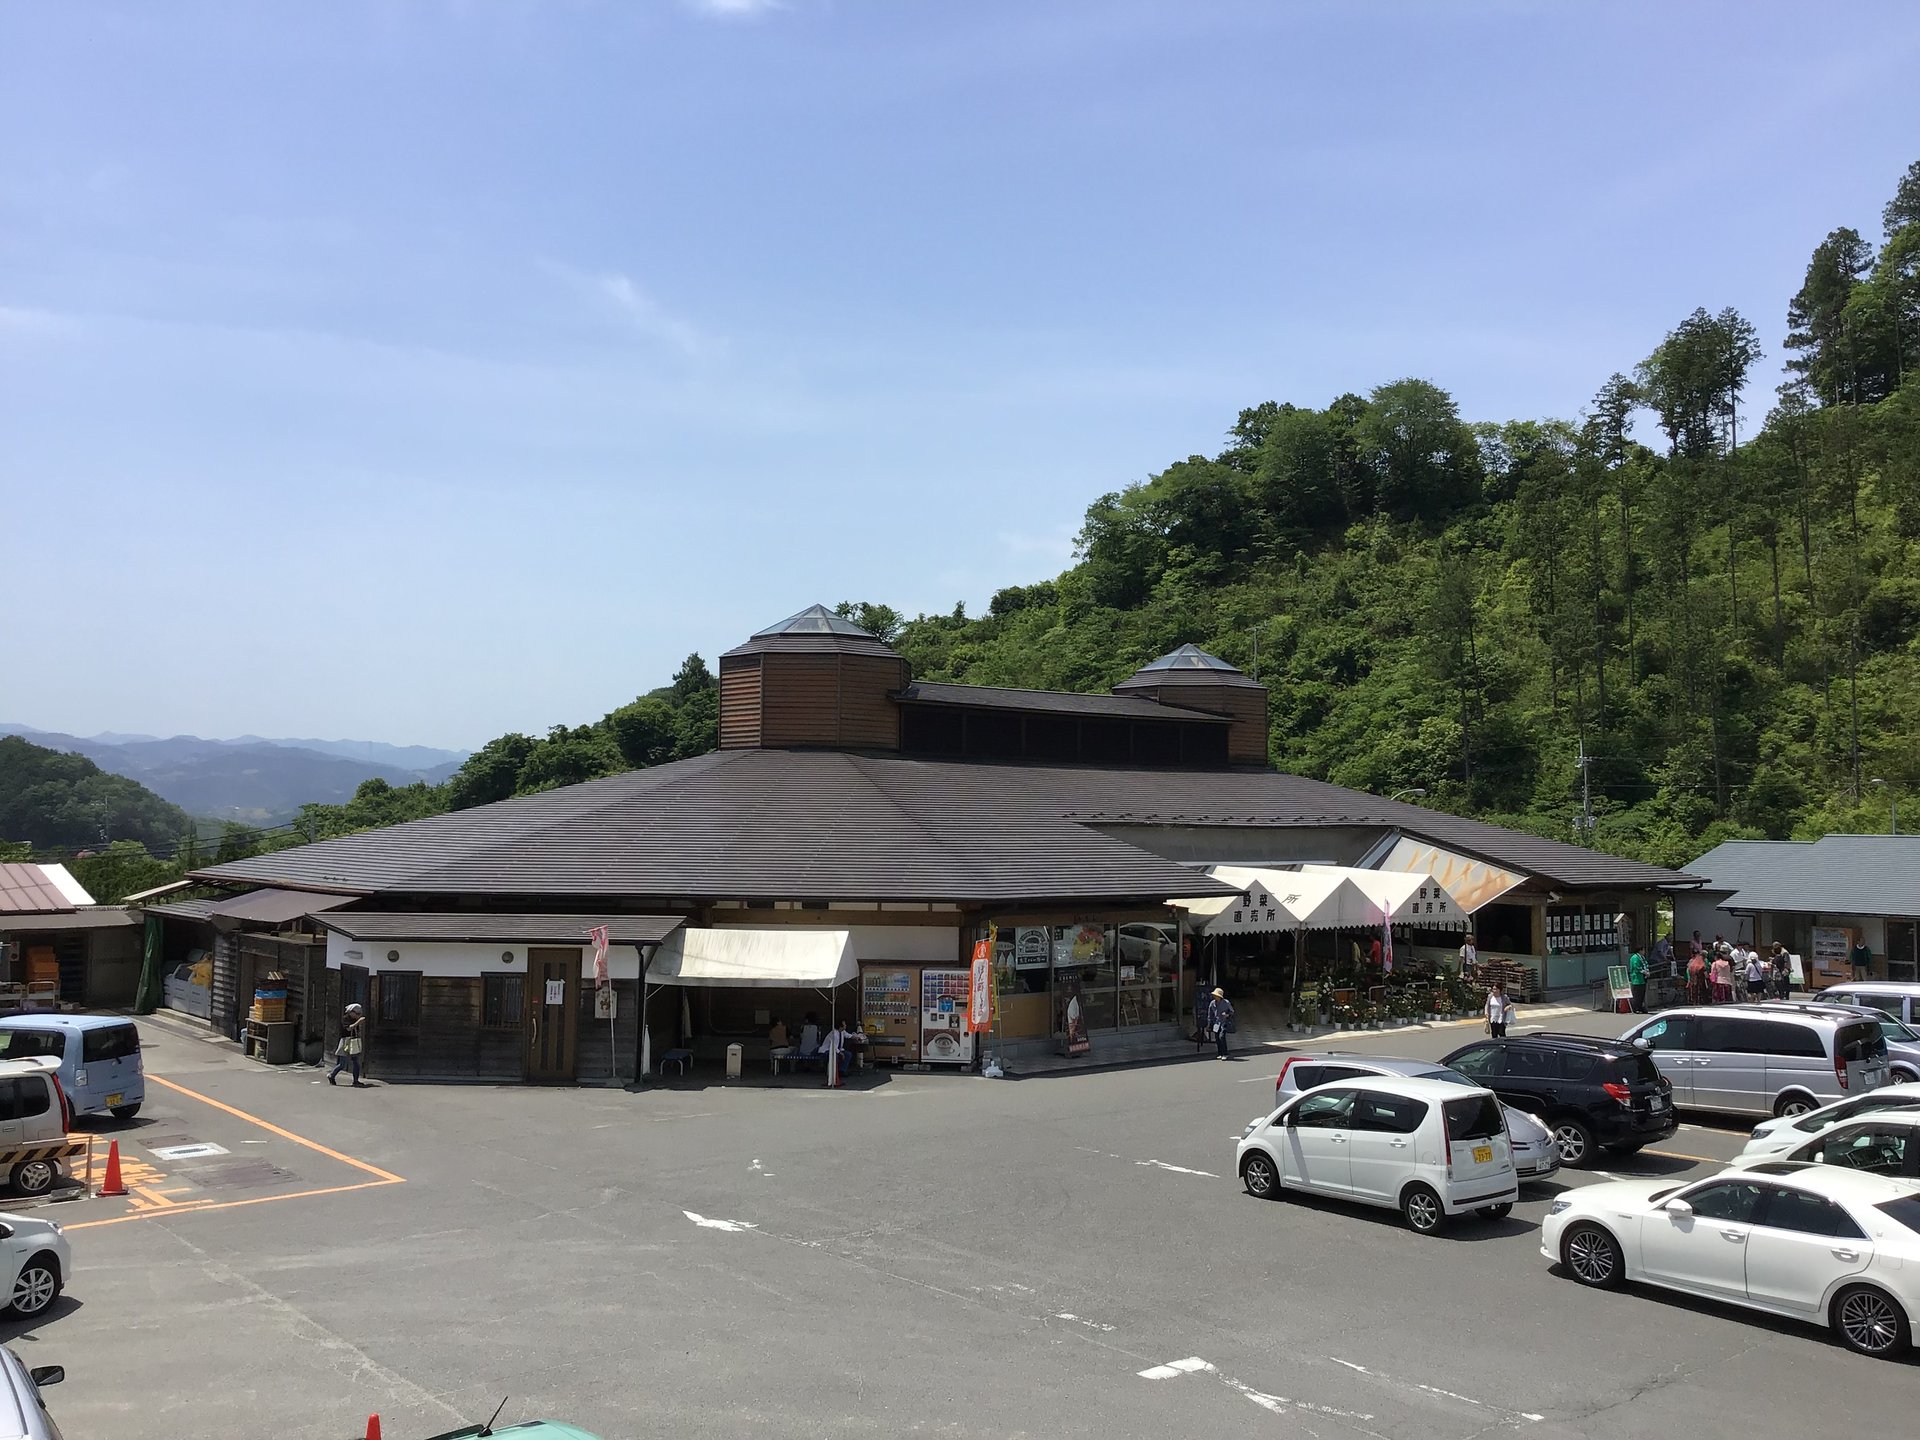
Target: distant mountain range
(251,777)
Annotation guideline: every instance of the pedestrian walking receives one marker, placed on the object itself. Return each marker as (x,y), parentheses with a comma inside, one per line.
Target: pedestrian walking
(1756,975)
(1861,957)
(1220,1021)
(1782,967)
(346,1055)
(1469,957)
(1499,1010)
(1722,978)
(1637,981)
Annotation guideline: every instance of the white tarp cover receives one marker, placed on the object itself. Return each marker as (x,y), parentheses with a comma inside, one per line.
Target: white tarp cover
(775,958)
(1280,900)
(1472,883)
(1403,896)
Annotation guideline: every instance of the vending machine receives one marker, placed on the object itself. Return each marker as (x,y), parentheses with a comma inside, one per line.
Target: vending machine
(944,1036)
(890,1012)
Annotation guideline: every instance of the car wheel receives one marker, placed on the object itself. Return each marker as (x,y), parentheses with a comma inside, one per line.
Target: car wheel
(1422,1208)
(36,1287)
(1593,1257)
(1574,1141)
(1794,1102)
(34,1177)
(1260,1177)
(1496,1212)
(1870,1322)
(1904,1076)
(126,1112)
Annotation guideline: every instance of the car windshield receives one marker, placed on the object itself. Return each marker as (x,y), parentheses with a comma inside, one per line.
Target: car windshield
(1862,1042)
(1634,1069)
(1897,1031)
(1906,1210)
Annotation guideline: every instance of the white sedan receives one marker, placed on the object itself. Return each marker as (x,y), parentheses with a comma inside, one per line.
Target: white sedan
(34,1263)
(1816,1242)
(1775,1137)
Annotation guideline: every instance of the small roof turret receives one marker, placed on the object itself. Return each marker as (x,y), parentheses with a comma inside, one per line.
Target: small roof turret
(1188,665)
(815,629)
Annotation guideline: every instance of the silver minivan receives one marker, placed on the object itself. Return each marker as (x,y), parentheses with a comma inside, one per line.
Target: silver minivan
(1897,998)
(1772,1058)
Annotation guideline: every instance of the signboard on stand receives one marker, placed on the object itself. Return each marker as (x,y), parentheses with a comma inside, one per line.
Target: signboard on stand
(1831,945)
(1618,986)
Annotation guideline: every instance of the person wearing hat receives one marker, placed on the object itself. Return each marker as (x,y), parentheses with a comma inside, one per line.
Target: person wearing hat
(1219,1019)
(347,1056)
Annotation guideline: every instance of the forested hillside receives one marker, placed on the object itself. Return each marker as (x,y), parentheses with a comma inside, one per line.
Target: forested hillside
(50,801)
(1715,605)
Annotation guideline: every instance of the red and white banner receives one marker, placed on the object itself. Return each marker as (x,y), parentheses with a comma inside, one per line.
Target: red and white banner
(1386,949)
(980,988)
(598,934)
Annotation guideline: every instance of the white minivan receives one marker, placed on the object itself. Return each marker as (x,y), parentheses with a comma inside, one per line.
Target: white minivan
(1426,1148)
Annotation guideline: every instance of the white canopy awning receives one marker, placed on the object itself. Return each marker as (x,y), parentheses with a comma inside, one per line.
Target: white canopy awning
(766,959)
(1404,896)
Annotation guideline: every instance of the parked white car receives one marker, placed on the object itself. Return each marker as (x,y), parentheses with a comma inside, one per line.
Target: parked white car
(1819,1243)
(1536,1155)
(1886,1142)
(1775,1137)
(1424,1147)
(35,1262)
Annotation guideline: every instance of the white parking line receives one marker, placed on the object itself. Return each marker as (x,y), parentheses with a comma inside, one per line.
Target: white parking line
(1194,1365)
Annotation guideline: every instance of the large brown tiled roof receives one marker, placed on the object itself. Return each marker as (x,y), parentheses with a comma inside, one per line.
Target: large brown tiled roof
(777,824)
(490,929)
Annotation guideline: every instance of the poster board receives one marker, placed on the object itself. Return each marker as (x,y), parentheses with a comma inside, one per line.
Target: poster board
(1797,970)
(1618,986)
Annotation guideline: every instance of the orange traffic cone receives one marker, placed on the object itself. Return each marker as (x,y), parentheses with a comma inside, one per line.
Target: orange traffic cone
(373,1427)
(113,1185)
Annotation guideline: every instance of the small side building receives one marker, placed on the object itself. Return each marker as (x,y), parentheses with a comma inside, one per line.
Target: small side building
(61,948)
(1817,897)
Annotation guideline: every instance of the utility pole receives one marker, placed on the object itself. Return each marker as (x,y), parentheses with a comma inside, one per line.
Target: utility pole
(1586,793)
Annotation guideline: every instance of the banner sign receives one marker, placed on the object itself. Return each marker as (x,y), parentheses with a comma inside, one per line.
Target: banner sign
(980,989)
(1617,984)
(599,936)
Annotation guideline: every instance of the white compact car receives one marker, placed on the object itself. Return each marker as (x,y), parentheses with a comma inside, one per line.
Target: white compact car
(1536,1155)
(1885,1142)
(34,1263)
(1426,1148)
(1820,1243)
(1775,1137)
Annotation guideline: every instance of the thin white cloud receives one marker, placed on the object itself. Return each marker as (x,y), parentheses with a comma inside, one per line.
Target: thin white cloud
(736,9)
(619,295)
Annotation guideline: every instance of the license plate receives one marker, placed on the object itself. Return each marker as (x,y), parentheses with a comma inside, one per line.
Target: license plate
(116,1098)
(1660,1102)
(1483,1154)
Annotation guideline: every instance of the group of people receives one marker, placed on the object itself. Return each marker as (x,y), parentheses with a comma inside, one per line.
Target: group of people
(1716,973)
(829,1050)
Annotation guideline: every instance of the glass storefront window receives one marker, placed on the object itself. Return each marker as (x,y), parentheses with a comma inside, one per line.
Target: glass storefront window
(1111,976)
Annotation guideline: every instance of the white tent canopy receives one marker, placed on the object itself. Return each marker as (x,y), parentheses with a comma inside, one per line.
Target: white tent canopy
(1322,897)
(1404,896)
(768,959)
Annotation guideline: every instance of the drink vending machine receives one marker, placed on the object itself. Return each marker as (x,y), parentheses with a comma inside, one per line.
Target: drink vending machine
(944,1036)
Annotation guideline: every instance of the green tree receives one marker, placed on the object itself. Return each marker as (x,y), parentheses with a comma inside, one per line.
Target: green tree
(1424,460)
(645,732)
(491,773)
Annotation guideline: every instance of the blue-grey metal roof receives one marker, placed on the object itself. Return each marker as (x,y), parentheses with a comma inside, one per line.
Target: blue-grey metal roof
(1836,874)
(1190,657)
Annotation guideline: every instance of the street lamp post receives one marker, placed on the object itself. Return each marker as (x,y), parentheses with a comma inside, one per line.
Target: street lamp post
(1893,806)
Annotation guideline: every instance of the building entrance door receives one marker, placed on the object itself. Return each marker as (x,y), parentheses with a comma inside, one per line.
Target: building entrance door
(553,1014)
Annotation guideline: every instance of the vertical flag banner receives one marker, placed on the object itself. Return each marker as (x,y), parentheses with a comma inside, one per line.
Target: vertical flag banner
(980,986)
(1386,947)
(599,936)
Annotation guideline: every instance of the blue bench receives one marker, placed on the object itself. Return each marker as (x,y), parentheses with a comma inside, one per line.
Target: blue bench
(682,1058)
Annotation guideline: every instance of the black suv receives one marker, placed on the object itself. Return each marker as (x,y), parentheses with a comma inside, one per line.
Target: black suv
(1588,1091)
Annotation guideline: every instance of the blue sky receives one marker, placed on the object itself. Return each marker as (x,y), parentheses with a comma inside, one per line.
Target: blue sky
(420,371)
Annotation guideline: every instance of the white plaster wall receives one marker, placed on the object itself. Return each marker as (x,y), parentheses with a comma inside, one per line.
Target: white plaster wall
(922,944)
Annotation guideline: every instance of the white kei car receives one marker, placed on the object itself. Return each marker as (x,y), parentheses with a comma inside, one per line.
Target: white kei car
(1775,1137)
(1423,1147)
(1820,1243)
(35,1262)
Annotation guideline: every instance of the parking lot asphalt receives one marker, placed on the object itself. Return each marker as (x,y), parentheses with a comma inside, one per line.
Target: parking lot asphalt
(1061,1255)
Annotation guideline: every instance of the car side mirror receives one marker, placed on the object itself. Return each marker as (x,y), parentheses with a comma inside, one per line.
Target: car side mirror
(1679,1207)
(6,1232)
(1640,1042)
(47,1374)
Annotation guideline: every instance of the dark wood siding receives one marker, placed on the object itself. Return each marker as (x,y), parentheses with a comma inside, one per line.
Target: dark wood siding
(740,703)
(831,700)
(868,719)
(449,1041)
(1246,704)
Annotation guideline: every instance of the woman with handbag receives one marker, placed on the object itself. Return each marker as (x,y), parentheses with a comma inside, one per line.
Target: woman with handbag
(1220,1021)
(347,1056)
